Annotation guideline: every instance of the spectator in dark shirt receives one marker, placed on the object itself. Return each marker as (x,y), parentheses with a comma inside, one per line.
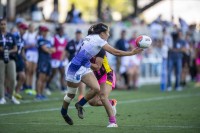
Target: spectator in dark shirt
(122,44)
(8,49)
(175,59)
(45,50)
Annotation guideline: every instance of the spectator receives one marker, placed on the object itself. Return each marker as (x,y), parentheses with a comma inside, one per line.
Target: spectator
(106,15)
(58,59)
(45,50)
(198,65)
(122,44)
(54,17)
(156,30)
(72,15)
(8,48)
(20,56)
(31,53)
(166,45)
(185,61)
(175,59)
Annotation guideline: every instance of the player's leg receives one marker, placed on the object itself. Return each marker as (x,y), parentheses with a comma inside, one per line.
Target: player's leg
(95,101)
(81,90)
(20,81)
(71,92)
(40,84)
(53,73)
(62,79)
(90,80)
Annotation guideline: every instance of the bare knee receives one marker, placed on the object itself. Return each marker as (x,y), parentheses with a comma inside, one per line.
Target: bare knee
(22,78)
(103,96)
(96,90)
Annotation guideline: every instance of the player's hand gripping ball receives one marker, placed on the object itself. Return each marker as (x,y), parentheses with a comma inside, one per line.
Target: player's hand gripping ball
(143,41)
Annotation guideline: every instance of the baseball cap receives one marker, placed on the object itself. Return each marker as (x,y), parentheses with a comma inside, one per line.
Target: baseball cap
(23,26)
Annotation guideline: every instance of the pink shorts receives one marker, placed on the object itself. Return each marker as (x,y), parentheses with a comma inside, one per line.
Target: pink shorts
(108,78)
(198,61)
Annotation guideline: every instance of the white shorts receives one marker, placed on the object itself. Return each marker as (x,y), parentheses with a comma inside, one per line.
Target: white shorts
(74,73)
(58,63)
(32,56)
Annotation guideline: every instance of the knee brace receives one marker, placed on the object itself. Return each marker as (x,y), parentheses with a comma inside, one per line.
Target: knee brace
(70,90)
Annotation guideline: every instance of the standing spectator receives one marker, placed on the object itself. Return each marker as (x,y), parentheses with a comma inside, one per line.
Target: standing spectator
(107,15)
(20,60)
(59,42)
(72,15)
(31,53)
(122,44)
(166,45)
(198,65)
(54,17)
(185,61)
(45,50)
(175,60)
(8,48)
(72,48)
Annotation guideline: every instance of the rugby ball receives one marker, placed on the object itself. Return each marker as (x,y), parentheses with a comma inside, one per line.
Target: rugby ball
(143,41)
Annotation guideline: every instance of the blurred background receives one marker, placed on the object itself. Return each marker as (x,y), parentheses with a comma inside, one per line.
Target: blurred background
(160,19)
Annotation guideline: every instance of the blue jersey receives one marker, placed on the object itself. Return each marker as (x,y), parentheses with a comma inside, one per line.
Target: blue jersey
(91,46)
(44,56)
(20,43)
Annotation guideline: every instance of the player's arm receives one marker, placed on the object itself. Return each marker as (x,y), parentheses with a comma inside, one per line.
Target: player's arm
(97,65)
(117,52)
(48,50)
(98,60)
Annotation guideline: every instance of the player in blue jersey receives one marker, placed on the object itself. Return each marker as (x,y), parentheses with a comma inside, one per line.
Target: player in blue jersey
(20,56)
(79,68)
(45,49)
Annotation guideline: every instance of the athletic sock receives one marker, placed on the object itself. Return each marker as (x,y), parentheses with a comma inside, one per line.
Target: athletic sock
(63,111)
(82,102)
(112,119)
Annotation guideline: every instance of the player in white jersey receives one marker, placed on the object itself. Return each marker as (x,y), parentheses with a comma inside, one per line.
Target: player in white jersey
(79,68)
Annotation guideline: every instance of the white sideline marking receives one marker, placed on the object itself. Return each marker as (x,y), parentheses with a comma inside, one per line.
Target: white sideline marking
(120,102)
(52,99)
(63,124)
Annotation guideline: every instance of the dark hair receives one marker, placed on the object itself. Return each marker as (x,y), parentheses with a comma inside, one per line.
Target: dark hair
(97,28)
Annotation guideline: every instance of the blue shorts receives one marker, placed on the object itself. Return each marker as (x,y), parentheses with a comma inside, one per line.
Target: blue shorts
(19,64)
(44,67)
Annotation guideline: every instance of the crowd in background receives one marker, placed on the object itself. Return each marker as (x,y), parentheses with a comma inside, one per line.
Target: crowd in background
(40,52)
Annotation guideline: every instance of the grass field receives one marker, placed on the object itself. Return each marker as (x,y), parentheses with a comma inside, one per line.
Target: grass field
(144,111)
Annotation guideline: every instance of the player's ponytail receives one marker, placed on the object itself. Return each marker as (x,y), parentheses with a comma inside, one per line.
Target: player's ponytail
(97,28)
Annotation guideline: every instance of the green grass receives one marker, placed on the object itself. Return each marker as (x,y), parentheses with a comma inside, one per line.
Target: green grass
(144,111)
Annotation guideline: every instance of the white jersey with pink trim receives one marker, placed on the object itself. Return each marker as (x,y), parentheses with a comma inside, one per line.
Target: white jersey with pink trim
(91,46)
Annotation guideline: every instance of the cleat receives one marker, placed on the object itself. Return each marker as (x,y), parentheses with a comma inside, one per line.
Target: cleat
(68,119)
(114,106)
(14,100)
(3,101)
(17,95)
(169,89)
(30,92)
(80,110)
(112,125)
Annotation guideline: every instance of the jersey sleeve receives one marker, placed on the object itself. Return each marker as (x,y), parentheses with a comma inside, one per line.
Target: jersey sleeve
(101,42)
(101,53)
